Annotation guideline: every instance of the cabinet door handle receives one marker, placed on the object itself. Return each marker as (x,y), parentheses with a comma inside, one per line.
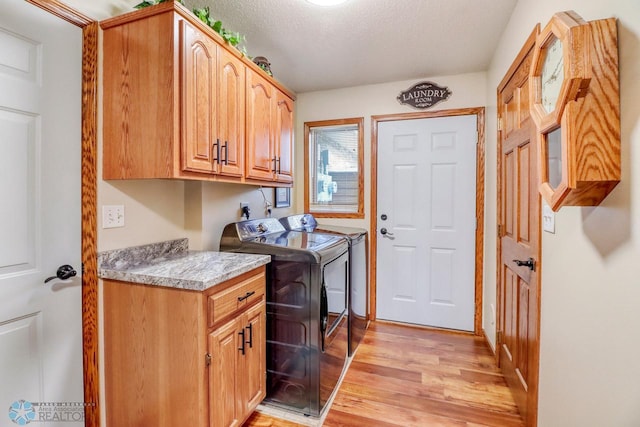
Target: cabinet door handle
(250,328)
(226,152)
(241,348)
(279,165)
(275,162)
(245,296)
(217,145)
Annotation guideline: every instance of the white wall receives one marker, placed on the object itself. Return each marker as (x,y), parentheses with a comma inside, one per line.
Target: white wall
(590,343)
(469,90)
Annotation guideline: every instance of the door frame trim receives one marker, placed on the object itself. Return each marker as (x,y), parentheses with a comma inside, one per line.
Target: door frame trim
(89,201)
(479,112)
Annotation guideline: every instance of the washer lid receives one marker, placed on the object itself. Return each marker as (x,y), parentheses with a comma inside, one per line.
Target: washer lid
(353,233)
(299,240)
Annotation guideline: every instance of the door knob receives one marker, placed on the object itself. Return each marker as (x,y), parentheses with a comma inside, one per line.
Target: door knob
(64,272)
(530,263)
(384,232)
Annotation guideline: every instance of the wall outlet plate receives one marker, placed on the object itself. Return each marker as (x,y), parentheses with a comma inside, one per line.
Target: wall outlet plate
(548,218)
(112,216)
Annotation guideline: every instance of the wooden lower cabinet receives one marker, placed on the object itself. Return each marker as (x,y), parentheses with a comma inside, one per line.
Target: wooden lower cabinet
(237,371)
(175,357)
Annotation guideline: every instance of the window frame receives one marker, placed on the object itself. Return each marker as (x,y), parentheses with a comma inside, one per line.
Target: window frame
(359,121)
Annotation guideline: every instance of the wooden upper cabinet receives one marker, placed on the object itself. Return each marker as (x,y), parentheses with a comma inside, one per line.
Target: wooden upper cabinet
(179,102)
(198,67)
(284,137)
(231,124)
(269,131)
(260,155)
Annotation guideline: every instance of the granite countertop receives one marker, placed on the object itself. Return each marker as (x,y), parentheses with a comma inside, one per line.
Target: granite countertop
(171,264)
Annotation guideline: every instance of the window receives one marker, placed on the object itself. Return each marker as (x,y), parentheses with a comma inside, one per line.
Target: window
(334,159)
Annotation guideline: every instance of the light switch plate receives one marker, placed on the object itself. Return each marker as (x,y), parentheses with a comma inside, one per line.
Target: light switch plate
(112,216)
(548,218)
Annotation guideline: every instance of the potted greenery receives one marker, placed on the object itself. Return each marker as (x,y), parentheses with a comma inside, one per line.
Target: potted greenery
(234,38)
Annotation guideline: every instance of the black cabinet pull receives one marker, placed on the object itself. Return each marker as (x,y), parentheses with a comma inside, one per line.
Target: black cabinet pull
(279,166)
(217,145)
(226,152)
(241,333)
(250,328)
(245,296)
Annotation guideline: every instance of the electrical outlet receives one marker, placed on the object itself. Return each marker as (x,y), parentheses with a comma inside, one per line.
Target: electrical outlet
(548,218)
(112,216)
(245,212)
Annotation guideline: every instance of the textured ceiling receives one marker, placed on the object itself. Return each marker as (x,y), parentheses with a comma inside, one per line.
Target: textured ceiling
(360,42)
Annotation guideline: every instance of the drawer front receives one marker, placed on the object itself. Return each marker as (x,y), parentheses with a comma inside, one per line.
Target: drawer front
(235,298)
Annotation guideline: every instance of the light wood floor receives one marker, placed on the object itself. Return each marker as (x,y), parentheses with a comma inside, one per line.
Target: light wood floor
(404,376)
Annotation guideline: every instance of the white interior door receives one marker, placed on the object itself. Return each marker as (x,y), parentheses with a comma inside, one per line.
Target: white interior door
(426,221)
(40,224)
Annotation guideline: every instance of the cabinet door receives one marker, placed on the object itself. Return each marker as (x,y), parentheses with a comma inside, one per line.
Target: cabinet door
(224,405)
(198,119)
(284,137)
(231,114)
(260,155)
(253,364)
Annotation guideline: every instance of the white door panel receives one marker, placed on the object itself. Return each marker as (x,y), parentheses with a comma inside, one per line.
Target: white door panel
(426,187)
(40,148)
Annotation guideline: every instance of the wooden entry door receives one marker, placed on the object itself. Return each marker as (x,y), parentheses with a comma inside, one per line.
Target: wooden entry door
(519,238)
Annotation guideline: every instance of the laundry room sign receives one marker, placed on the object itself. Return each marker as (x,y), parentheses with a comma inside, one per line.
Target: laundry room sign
(424,95)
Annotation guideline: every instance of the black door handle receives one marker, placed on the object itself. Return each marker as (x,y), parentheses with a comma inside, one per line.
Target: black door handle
(64,272)
(530,263)
(384,232)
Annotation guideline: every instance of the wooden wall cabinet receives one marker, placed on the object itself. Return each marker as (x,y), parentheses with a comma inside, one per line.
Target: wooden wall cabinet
(180,357)
(212,100)
(575,103)
(174,99)
(269,131)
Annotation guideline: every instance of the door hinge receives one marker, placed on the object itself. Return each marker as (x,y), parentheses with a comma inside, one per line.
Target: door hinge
(499,336)
(207,359)
(499,231)
(499,123)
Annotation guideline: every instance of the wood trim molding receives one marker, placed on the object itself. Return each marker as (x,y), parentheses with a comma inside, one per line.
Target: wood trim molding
(89,201)
(63,11)
(480,188)
(89,223)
